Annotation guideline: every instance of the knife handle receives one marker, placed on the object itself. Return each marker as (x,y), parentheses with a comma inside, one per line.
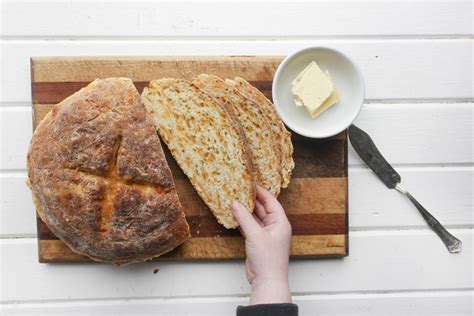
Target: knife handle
(452,243)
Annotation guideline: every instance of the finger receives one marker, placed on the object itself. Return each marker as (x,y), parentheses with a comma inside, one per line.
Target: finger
(260,211)
(245,219)
(258,220)
(269,202)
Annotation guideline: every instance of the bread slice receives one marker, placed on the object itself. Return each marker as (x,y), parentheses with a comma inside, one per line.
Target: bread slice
(280,132)
(207,142)
(265,152)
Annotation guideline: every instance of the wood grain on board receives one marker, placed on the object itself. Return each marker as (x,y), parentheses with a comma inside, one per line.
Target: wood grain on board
(315,201)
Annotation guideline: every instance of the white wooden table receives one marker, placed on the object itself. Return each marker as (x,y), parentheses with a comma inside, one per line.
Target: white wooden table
(417,61)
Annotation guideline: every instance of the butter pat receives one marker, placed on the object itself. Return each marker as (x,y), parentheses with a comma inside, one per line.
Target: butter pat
(330,101)
(314,89)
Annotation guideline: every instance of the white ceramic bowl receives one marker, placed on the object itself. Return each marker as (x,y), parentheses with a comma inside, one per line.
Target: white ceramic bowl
(347,79)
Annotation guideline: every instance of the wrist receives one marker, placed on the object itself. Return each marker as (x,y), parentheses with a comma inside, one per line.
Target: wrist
(270,291)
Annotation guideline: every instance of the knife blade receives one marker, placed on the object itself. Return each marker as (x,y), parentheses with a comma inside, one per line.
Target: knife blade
(366,149)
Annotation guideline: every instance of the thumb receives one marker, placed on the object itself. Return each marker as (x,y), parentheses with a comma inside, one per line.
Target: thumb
(245,219)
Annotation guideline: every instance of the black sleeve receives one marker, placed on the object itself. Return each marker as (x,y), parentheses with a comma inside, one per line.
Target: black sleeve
(268,310)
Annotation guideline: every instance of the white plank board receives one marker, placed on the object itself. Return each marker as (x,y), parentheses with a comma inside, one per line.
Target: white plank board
(378,261)
(371,204)
(419,133)
(17,216)
(238,18)
(446,192)
(392,69)
(404,303)
(15,133)
(430,133)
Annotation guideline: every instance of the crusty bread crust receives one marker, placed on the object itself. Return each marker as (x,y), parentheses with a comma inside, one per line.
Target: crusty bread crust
(278,128)
(207,142)
(264,150)
(99,177)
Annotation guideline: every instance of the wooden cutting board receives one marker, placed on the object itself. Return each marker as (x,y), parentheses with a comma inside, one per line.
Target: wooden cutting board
(315,201)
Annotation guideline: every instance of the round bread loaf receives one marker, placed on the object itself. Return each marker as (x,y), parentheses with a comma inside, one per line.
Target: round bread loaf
(99,177)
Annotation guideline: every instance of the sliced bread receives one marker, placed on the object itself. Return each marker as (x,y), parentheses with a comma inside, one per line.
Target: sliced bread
(280,132)
(265,151)
(207,142)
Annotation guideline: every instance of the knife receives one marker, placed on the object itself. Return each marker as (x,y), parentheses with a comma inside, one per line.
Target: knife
(366,149)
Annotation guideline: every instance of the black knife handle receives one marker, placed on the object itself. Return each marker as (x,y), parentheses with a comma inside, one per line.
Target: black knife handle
(452,243)
(366,149)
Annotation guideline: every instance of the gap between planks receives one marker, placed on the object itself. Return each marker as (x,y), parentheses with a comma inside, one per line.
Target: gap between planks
(360,233)
(351,230)
(306,296)
(230,38)
(400,167)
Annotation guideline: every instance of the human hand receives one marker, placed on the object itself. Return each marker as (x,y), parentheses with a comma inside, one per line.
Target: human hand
(267,235)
